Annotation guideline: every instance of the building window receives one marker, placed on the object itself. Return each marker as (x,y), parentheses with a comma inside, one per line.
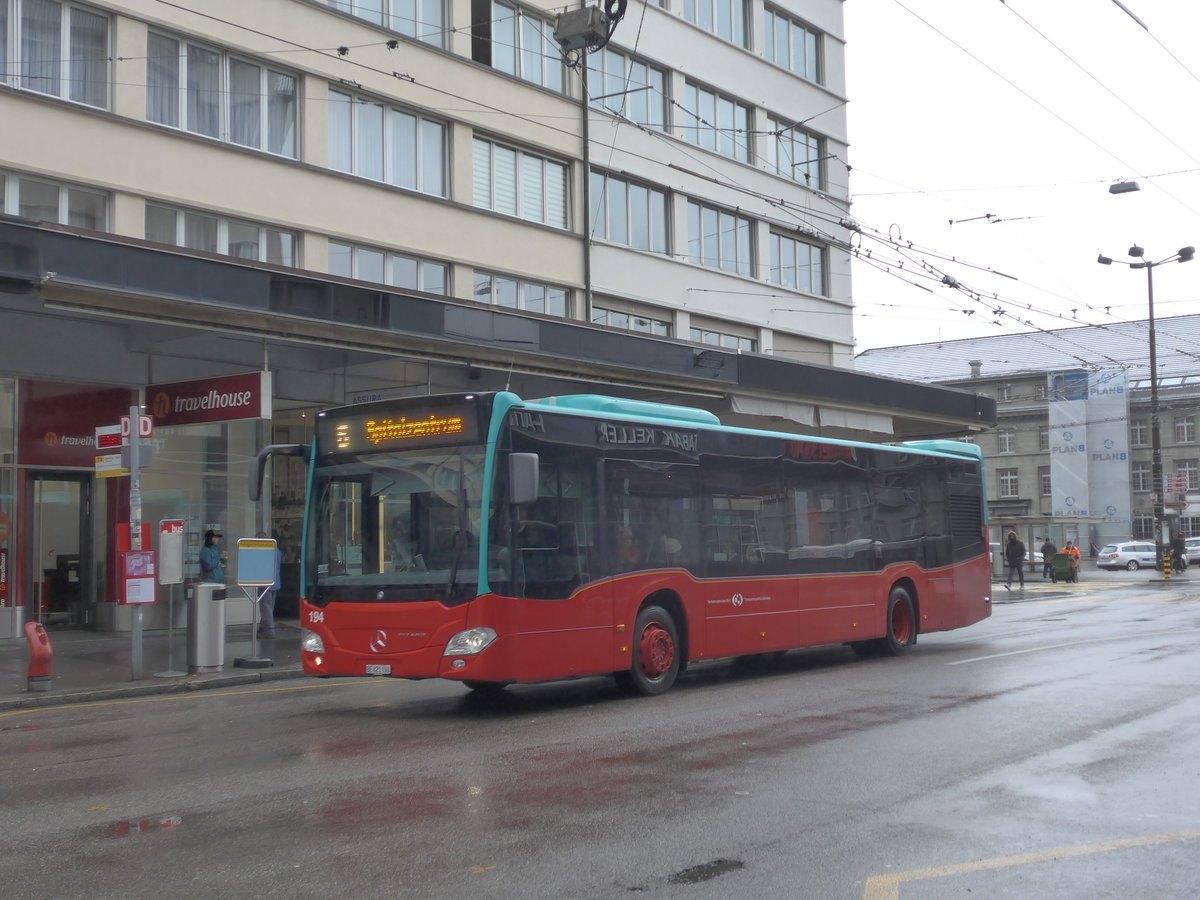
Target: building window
(60,49)
(1004,392)
(722,339)
(627,213)
(1044,439)
(386,144)
(517,42)
(210,92)
(1189,526)
(519,184)
(1006,442)
(716,122)
(1139,476)
(1044,480)
(217,234)
(629,87)
(1007,479)
(1137,434)
(43,200)
(797,264)
(515,293)
(1041,391)
(1143,528)
(385,267)
(791,44)
(420,19)
(796,154)
(614,318)
(720,239)
(724,18)
(1190,468)
(1185,429)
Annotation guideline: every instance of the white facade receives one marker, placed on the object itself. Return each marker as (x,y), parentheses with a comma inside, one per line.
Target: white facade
(302,133)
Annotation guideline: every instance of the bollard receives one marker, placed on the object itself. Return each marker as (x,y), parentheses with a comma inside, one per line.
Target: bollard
(41,655)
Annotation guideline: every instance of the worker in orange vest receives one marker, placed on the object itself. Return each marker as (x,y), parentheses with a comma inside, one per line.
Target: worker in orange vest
(1073,551)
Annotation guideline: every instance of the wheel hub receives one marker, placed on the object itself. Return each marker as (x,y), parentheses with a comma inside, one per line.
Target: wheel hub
(901,624)
(656,650)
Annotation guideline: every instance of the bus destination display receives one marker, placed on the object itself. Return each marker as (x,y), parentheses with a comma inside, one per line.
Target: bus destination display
(396,428)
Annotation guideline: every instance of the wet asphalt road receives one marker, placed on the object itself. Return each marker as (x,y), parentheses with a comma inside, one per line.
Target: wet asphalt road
(1051,751)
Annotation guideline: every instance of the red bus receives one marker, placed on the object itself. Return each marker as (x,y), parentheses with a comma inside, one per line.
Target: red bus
(493,540)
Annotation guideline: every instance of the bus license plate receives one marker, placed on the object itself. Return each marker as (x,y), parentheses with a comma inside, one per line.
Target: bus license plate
(377,669)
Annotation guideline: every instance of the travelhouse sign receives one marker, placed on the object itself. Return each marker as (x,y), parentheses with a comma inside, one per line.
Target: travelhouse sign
(211,400)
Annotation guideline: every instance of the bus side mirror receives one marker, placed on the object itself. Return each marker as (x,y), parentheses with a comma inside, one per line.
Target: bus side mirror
(258,465)
(523,477)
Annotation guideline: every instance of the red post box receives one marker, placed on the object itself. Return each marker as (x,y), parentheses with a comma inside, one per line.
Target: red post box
(41,656)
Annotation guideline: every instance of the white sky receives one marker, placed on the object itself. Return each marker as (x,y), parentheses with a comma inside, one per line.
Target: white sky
(936,136)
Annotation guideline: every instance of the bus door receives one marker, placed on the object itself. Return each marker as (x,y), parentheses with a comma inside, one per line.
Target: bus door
(748,526)
(556,614)
(652,524)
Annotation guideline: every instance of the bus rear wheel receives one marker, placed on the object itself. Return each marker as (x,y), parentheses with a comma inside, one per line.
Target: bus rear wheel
(655,653)
(901,624)
(901,630)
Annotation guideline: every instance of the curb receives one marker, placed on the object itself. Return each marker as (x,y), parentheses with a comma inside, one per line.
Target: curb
(192,683)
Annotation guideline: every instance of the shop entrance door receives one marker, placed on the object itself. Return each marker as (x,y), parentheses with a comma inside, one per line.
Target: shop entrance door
(60,558)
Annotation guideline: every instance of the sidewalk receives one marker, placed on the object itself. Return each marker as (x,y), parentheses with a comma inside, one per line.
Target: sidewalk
(93,666)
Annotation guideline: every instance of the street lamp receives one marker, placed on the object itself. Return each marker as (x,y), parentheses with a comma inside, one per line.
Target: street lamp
(1185,254)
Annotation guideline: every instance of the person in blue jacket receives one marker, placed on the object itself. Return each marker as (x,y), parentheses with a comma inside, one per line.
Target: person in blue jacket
(212,567)
(266,603)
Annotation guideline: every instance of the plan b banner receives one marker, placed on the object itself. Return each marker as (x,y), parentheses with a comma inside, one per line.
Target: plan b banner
(1089,445)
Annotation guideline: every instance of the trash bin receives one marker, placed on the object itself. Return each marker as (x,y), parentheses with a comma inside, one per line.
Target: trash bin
(1065,568)
(206,628)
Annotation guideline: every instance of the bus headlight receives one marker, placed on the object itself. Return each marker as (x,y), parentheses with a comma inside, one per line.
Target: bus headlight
(311,641)
(470,642)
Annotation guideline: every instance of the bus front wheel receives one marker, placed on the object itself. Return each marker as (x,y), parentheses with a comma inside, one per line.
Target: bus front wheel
(655,653)
(486,688)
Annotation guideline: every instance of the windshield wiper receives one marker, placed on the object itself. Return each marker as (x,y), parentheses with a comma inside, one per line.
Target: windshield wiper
(459,546)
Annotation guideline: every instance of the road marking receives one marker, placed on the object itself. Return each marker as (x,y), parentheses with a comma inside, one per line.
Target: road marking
(1104,640)
(887,887)
(190,695)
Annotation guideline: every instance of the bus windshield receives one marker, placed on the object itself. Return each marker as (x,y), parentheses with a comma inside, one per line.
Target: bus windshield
(397,526)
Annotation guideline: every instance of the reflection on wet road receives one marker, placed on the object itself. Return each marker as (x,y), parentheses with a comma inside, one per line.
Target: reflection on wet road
(1070,722)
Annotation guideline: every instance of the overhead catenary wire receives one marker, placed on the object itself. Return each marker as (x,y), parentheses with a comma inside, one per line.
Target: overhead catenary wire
(1095,143)
(1102,85)
(1096,311)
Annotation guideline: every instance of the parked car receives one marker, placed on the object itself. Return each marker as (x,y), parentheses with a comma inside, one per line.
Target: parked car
(1131,555)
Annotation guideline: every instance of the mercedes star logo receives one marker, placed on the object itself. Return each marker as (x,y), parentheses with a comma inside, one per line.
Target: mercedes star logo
(379,642)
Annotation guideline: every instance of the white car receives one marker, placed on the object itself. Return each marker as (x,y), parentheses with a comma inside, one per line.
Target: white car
(1131,555)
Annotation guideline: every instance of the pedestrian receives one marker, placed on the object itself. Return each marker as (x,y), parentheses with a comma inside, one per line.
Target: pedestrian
(1178,560)
(212,561)
(1014,556)
(1072,551)
(266,603)
(1049,550)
